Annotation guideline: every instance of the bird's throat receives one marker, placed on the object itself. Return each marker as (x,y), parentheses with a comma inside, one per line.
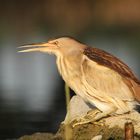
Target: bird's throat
(69,70)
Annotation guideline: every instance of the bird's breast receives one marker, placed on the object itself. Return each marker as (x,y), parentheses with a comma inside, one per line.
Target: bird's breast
(96,81)
(71,73)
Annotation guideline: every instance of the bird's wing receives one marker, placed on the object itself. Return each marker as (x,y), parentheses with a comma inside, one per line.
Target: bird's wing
(110,62)
(134,87)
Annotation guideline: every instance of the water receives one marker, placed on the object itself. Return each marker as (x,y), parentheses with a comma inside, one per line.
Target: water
(16,121)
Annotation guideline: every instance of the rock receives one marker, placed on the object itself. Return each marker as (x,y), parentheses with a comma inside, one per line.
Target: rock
(77,108)
(38,136)
(107,128)
(99,137)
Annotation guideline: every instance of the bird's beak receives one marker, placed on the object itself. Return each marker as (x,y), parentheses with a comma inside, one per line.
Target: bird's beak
(38,47)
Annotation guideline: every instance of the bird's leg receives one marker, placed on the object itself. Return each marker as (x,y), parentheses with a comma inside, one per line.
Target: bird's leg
(87,118)
(92,116)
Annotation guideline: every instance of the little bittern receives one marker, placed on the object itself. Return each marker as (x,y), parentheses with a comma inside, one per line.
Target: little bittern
(98,77)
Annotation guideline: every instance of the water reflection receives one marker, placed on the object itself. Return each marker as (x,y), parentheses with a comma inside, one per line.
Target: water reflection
(31,94)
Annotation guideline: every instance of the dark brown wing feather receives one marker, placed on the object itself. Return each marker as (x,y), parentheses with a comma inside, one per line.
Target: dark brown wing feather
(108,60)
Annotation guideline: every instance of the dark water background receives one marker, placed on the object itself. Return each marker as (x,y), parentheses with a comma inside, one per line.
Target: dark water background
(32,97)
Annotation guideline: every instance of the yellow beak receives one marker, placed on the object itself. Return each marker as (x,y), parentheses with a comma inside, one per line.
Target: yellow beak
(39,47)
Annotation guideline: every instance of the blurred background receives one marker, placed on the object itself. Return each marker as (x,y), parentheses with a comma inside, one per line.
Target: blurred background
(32,97)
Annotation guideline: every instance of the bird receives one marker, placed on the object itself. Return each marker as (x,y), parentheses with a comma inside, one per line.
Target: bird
(98,77)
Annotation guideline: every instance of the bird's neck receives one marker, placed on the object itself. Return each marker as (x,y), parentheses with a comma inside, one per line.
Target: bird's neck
(69,67)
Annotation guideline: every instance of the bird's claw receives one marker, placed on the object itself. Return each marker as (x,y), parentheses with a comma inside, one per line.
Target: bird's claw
(89,117)
(79,122)
(93,112)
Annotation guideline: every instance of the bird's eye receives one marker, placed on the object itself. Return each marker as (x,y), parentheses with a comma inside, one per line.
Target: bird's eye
(56,42)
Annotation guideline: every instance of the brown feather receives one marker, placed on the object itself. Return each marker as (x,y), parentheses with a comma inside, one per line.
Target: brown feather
(106,59)
(103,58)
(134,87)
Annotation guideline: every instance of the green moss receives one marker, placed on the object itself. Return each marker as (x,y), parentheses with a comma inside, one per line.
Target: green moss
(82,132)
(88,131)
(38,136)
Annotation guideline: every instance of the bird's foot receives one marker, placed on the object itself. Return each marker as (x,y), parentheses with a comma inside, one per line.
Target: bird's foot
(93,112)
(91,116)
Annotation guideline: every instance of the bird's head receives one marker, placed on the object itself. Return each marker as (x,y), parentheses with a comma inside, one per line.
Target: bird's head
(60,46)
